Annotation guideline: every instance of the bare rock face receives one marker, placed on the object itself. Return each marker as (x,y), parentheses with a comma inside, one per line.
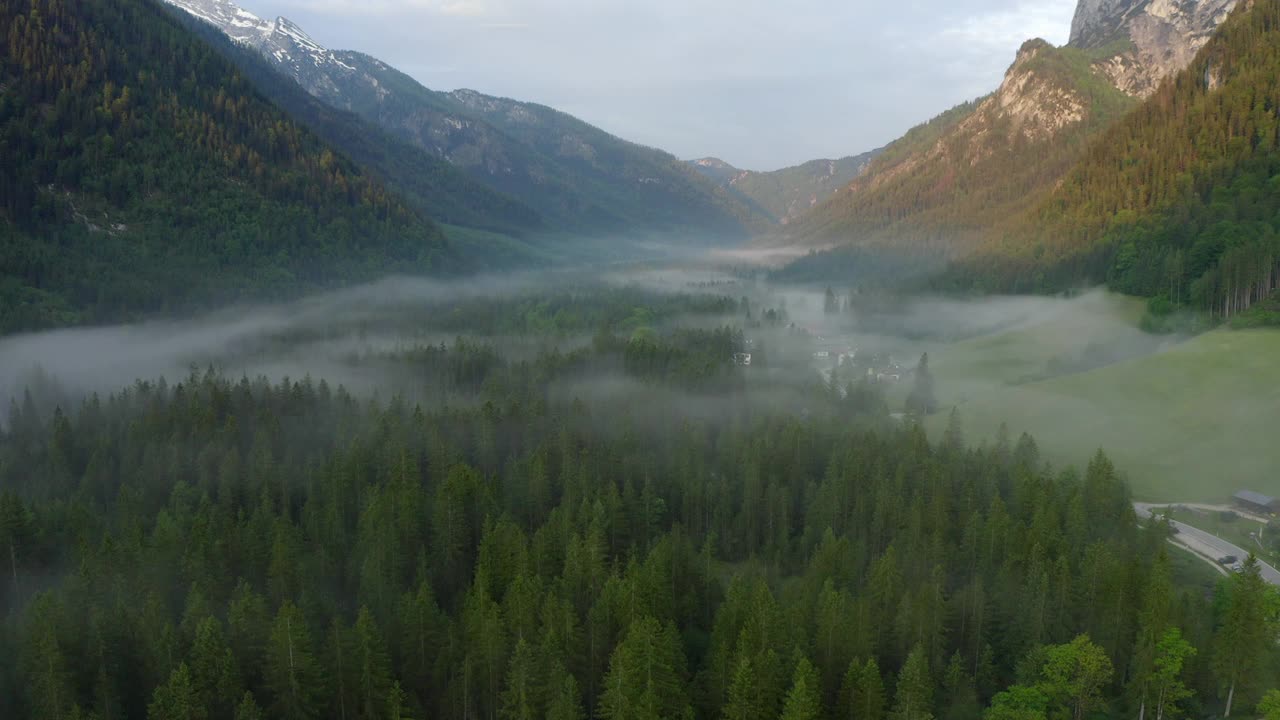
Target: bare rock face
(1035,107)
(1153,38)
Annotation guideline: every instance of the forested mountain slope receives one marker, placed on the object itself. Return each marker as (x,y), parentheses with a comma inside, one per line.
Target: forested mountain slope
(944,184)
(787,193)
(948,185)
(1181,199)
(140,171)
(431,185)
(577,176)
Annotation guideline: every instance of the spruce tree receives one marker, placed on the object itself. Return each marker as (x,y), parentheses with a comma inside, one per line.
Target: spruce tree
(922,401)
(804,701)
(177,699)
(1244,635)
(913,699)
(520,696)
(292,674)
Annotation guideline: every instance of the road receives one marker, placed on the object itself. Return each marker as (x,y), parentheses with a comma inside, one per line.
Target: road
(1207,545)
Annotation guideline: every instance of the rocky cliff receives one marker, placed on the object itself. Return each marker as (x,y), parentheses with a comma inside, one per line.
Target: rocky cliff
(1142,42)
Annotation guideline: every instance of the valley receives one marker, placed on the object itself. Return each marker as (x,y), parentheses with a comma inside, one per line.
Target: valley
(336,389)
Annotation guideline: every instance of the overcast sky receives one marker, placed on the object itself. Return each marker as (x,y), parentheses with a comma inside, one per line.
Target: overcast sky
(759,83)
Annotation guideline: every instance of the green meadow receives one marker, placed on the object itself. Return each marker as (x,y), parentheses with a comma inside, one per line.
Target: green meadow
(1187,419)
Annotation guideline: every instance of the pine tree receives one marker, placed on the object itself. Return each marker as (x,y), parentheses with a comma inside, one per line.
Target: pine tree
(922,401)
(372,666)
(645,679)
(804,701)
(862,693)
(248,708)
(958,690)
(1153,622)
(566,701)
(177,699)
(830,303)
(913,699)
(1242,639)
(520,696)
(744,701)
(214,675)
(486,646)
(49,682)
(291,673)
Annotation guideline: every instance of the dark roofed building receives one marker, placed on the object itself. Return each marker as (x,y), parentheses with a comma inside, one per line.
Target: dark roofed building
(1256,502)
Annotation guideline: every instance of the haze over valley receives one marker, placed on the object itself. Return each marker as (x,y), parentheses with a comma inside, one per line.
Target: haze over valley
(332,390)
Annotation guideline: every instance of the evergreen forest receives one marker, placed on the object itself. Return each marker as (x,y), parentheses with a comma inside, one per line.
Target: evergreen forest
(610,519)
(141,172)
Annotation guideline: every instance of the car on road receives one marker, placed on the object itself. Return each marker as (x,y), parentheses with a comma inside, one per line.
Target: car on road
(1228,560)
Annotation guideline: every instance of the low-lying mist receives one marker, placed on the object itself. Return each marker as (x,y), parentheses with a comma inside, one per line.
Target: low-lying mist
(358,337)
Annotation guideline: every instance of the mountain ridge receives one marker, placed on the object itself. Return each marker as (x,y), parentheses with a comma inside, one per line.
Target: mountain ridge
(142,173)
(577,176)
(1177,201)
(788,192)
(946,185)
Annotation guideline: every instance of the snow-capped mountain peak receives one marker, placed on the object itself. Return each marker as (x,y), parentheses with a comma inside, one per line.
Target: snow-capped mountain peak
(281,39)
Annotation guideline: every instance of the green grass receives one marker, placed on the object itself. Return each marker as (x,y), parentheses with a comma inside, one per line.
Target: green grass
(1194,422)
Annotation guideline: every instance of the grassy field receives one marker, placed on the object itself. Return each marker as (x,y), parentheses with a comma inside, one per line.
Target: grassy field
(1187,421)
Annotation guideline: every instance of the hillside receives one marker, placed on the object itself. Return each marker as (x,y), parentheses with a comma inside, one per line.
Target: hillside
(140,172)
(787,193)
(1181,199)
(945,183)
(949,185)
(431,185)
(1192,423)
(578,177)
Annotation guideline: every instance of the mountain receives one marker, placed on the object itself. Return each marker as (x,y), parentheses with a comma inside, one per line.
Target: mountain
(577,176)
(431,185)
(141,172)
(949,184)
(944,184)
(1149,40)
(1178,201)
(787,193)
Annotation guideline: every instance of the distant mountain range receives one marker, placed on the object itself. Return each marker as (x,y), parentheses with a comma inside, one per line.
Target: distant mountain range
(790,192)
(577,177)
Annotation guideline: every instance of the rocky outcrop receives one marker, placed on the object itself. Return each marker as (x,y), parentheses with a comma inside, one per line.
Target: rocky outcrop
(1151,39)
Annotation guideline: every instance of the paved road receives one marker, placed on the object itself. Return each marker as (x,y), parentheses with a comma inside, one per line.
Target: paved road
(1207,543)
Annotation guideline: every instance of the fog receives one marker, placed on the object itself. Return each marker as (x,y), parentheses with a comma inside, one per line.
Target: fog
(347,337)
(311,336)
